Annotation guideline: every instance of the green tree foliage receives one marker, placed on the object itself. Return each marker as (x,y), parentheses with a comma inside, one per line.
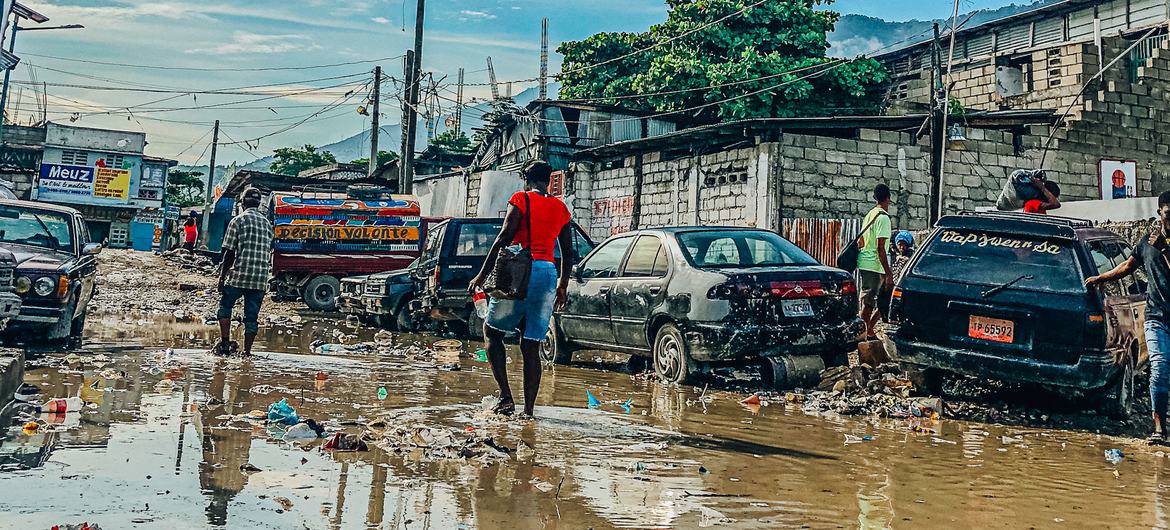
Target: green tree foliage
(451,141)
(384,157)
(185,188)
(763,52)
(292,160)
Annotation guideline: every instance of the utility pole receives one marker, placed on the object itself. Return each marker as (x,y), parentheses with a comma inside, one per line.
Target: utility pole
(373,165)
(406,126)
(938,107)
(210,184)
(7,74)
(459,104)
(412,94)
(492,80)
(543,59)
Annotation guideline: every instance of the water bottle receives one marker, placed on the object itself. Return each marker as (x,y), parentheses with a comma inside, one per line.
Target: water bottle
(481,303)
(62,405)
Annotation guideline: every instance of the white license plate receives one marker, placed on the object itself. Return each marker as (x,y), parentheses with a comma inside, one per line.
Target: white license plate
(797,308)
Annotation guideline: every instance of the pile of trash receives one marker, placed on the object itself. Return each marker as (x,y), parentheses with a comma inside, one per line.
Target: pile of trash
(440,443)
(860,389)
(185,259)
(284,424)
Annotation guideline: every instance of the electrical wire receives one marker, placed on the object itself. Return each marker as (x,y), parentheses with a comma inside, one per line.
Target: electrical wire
(199,69)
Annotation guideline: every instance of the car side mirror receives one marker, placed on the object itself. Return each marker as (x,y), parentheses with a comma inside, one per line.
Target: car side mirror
(91,249)
(576,272)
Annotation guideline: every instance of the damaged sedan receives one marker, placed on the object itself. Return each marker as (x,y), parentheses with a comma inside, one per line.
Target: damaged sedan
(691,299)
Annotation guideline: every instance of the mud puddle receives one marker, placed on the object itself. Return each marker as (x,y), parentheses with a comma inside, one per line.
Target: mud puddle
(142,456)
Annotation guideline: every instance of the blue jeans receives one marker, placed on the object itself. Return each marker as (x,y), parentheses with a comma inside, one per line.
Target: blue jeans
(1158,343)
(536,309)
(253,298)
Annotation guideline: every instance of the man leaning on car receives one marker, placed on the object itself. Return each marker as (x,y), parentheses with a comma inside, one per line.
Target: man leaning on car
(1153,253)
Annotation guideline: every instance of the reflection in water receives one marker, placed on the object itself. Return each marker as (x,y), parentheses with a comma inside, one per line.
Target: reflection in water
(225,449)
(674,461)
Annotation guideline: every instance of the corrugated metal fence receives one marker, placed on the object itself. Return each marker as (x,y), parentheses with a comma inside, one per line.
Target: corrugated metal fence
(823,238)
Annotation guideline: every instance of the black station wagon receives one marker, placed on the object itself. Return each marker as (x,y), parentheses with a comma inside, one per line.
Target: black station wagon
(1002,295)
(694,298)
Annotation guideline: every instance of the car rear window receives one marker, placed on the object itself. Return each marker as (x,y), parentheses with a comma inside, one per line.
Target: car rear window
(741,248)
(991,259)
(475,239)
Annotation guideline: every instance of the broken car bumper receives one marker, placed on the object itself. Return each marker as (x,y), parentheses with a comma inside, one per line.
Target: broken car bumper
(1093,369)
(719,341)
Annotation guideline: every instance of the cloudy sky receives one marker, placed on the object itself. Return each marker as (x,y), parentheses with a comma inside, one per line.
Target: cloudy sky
(265,53)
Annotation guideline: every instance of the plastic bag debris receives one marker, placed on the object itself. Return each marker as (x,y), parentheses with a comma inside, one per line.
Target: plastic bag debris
(300,431)
(282,412)
(1114,456)
(854,439)
(337,348)
(592,401)
(753,399)
(383,393)
(481,355)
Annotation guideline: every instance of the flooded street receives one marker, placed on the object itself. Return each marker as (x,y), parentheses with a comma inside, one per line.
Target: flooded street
(163,444)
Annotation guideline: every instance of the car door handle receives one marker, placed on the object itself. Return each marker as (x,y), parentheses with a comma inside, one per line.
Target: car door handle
(655,289)
(603,289)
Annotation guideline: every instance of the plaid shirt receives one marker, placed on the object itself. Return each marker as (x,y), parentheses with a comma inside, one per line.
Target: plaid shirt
(250,236)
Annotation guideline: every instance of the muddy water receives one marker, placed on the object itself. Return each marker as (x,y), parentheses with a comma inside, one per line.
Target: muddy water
(143,457)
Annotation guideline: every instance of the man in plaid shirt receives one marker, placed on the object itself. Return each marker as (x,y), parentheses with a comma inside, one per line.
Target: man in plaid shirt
(247,264)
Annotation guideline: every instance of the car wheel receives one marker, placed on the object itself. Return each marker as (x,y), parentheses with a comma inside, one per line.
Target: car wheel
(403,320)
(64,325)
(1117,398)
(555,349)
(320,293)
(672,356)
(78,327)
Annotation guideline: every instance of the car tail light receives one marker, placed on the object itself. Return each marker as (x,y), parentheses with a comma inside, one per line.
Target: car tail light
(435,278)
(895,313)
(787,289)
(848,288)
(1096,331)
(897,293)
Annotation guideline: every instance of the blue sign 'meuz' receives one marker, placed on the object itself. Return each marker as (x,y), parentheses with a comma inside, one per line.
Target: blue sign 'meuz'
(66,173)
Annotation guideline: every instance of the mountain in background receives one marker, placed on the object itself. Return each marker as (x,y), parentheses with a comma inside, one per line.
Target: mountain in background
(860,35)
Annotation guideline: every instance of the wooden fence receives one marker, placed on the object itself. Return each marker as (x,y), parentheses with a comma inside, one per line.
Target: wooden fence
(823,238)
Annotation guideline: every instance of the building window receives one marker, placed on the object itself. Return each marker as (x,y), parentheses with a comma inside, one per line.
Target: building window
(72,157)
(113,161)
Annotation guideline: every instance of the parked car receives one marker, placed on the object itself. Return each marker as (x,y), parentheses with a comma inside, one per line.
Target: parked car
(386,299)
(453,254)
(1002,296)
(697,297)
(56,267)
(9,300)
(349,299)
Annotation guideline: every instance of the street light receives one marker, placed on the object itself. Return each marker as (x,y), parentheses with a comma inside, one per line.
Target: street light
(11,46)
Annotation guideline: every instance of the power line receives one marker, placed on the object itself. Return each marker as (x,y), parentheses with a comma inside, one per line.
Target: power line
(198,69)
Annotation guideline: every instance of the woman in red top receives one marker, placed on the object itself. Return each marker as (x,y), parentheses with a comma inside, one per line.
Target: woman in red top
(190,232)
(548,218)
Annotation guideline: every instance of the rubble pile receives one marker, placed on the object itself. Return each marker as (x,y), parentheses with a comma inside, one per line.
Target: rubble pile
(146,283)
(190,261)
(860,389)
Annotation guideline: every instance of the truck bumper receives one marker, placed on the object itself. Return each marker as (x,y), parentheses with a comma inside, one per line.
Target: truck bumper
(1093,369)
(375,305)
(718,341)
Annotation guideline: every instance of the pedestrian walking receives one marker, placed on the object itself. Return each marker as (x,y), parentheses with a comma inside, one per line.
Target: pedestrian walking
(1153,254)
(536,221)
(244,272)
(873,264)
(190,232)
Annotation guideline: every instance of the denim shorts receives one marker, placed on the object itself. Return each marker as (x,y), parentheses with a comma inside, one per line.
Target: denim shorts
(253,298)
(536,309)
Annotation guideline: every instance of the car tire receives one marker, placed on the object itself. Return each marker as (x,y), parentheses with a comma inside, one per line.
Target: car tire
(1116,399)
(77,329)
(64,327)
(402,319)
(672,356)
(555,349)
(320,294)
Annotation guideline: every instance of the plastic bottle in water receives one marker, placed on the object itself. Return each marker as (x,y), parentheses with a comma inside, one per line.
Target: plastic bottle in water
(481,303)
(62,405)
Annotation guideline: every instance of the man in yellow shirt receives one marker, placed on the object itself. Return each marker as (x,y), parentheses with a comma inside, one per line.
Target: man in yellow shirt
(872,263)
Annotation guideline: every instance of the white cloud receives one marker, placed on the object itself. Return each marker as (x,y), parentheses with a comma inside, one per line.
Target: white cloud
(244,42)
(380,20)
(481,15)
